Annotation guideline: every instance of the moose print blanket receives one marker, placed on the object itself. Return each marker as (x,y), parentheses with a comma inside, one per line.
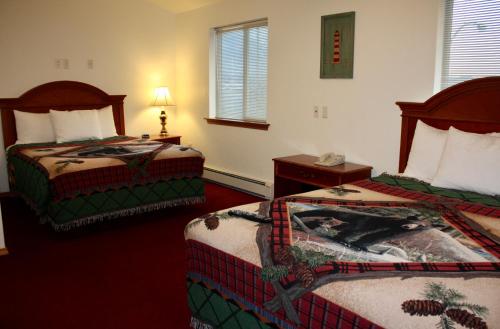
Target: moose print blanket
(386,252)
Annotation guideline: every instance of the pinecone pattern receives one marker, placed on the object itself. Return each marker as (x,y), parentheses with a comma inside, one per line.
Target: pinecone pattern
(422,307)
(304,274)
(285,257)
(466,319)
(211,222)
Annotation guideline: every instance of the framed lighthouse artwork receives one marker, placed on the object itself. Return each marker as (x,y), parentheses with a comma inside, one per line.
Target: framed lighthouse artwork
(337,46)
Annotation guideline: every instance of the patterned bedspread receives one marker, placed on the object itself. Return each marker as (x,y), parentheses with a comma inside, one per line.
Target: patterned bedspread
(386,252)
(89,180)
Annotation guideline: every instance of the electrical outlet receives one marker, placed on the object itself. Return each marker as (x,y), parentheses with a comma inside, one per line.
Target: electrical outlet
(90,64)
(65,63)
(324,112)
(316,112)
(57,63)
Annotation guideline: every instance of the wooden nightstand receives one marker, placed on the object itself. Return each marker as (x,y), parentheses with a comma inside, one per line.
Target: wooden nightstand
(298,174)
(172,139)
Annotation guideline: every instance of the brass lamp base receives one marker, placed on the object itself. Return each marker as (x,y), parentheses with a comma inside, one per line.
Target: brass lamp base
(163,122)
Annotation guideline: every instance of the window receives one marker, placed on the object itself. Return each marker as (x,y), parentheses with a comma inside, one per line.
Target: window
(471,47)
(241,72)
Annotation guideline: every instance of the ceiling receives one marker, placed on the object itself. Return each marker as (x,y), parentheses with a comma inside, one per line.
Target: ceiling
(179,6)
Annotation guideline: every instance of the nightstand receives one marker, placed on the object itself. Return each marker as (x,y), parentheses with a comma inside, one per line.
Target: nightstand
(298,173)
(172,139)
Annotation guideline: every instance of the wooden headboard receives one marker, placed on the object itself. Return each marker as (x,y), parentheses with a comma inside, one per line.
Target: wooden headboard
(59,95)
(472,106)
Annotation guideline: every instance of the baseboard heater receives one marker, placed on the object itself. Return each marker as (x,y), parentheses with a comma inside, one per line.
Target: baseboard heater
(245,184)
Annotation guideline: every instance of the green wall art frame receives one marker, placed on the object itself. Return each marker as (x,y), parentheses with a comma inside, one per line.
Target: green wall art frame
(337,46)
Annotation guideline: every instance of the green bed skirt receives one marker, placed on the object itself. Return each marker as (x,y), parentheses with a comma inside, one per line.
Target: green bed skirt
(211,309)
(87,209)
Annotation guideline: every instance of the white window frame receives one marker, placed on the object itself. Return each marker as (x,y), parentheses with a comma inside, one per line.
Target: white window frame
(213,53)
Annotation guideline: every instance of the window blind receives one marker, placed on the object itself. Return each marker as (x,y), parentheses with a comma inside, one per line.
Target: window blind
(471,47)
(241,71)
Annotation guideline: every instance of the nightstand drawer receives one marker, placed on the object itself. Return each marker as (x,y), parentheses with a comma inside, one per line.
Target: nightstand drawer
(307,175)
(298,173)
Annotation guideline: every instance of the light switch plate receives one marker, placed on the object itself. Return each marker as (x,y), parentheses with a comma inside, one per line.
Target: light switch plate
(324,112)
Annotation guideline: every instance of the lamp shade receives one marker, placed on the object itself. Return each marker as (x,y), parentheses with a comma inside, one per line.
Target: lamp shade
(162,97)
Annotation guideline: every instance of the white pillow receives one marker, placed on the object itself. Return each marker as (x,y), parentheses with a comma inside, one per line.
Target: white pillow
(426,149)
(495,134)
(107,122)
(470,162)
(33,128)
(75,125)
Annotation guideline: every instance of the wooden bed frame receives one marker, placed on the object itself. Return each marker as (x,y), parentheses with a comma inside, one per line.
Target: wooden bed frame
(472,106)
(59,95)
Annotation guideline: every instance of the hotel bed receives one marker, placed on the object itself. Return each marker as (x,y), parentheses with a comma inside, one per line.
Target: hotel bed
(390,251)
(74,183)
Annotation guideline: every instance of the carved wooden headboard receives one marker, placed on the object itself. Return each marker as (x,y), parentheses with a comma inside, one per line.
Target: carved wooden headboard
(472,106)
(59,95)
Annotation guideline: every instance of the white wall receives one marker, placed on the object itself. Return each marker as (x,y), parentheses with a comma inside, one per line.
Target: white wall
(137,46)
(132,43)
(395,43)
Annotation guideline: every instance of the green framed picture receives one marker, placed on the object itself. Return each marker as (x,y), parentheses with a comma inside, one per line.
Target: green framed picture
(337,46)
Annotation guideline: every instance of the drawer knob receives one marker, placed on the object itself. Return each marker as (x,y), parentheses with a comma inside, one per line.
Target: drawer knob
(306,174)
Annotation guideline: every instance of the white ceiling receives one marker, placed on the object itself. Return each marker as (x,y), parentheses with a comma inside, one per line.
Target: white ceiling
(179,6)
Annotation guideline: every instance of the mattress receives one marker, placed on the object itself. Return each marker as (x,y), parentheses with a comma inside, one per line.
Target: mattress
(385,252)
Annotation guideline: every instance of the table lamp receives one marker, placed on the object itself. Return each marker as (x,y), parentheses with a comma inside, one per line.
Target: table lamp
(162,99)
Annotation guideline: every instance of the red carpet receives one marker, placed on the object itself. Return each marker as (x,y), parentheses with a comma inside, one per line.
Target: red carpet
(127,274)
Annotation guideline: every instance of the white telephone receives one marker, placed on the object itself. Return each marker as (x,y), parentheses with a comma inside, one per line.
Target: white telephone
(330,159)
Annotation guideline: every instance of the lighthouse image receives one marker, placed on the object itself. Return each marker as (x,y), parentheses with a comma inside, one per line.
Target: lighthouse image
(336,48)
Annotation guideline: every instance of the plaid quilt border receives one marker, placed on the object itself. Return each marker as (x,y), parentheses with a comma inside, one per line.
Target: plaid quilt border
(88,181)
(102,179)
(397,191)
(280,238)
(242,280)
